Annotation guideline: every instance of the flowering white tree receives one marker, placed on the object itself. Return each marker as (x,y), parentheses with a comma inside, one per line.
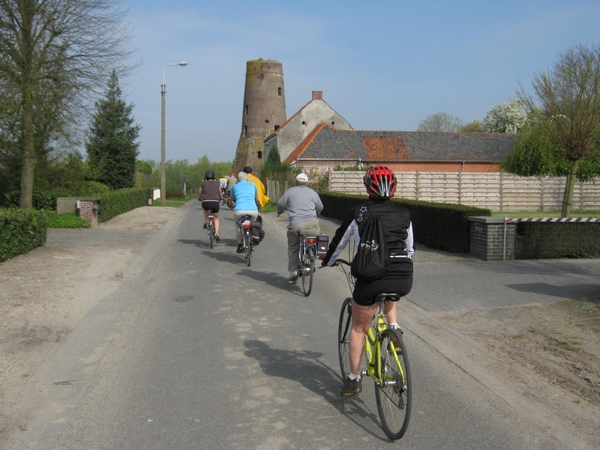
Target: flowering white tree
(508,117)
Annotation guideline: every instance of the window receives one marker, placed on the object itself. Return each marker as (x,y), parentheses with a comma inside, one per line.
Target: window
(276,127)
(259,154)
(245,130)
(266,120)
(245,110)
(279,91)
(304,122)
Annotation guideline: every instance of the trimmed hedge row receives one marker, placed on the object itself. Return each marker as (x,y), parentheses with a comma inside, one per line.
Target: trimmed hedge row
(542,240)
(439,226)
(21,230)
(47,199)
(120,201)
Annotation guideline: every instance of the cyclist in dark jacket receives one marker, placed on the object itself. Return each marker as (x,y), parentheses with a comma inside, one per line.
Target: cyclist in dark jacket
(210,195)
(381,186)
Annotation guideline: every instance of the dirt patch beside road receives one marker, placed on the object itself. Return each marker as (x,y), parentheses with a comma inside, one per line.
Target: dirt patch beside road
(43,296)
(549,353)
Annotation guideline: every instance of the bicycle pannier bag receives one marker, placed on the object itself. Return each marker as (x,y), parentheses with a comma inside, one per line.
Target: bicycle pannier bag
(322,245)
(372,258)
(256,230)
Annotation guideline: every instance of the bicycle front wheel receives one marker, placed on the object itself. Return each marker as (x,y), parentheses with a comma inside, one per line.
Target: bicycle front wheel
(344,337)
(307,273)
(394,391)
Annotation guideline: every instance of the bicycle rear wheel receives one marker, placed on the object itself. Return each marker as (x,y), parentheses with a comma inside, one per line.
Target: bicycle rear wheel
(344,337)
(394,393)
(307,271)
(248,248)
(211,235)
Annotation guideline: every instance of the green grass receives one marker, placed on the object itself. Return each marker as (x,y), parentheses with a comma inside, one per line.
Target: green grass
(540,214)
(65,220)
(269,207)
(175,202)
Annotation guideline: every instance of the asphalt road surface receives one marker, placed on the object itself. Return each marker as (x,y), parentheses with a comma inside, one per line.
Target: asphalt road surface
(202,351)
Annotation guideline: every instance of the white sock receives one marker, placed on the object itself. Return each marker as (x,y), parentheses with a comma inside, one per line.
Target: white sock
(353,377)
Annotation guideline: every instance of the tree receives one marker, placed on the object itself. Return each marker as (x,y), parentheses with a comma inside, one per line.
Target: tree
(441,122)
(53,54)
(508,117)
(274,170)
(143,173)
(472,127)
(568,112)
(111,144)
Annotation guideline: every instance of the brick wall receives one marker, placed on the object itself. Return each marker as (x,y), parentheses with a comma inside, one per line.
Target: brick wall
(492,239)
(88,207)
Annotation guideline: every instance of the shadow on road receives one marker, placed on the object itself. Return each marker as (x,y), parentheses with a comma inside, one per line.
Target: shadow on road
(305,368)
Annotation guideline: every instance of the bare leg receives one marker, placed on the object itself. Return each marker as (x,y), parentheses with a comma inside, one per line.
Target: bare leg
(361,321)
(217,223)
(390,311)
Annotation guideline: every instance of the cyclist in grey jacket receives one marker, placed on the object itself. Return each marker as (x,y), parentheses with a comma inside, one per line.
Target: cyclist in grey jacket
(303,205)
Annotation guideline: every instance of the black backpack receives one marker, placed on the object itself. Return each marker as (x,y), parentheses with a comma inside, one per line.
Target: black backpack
(372,258)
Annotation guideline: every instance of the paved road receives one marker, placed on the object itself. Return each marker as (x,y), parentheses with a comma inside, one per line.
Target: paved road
(201,351)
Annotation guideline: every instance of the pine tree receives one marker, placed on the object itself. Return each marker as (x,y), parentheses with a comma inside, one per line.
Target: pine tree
(111,144)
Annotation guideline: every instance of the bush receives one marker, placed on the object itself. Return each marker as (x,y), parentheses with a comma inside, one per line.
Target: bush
(21,230)
(120,201)
(175,194)
(91,189)
(65,220)
(439,226)
(45,200)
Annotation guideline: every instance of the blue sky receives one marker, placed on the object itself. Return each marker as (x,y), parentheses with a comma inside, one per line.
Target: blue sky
(382,65)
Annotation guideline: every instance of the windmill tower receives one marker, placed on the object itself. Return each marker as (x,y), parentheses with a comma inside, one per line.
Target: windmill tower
(263,112)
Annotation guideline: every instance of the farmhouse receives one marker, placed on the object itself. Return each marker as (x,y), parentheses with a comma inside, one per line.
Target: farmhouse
(319,138)
(298,127)
(402,151)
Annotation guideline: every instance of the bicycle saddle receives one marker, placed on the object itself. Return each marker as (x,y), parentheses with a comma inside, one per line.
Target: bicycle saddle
(387,296)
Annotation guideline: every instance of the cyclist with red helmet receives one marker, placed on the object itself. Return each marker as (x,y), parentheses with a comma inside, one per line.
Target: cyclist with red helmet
(380,183)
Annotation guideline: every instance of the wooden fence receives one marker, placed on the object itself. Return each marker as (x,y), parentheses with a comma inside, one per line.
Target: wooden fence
(275,190)
(495,191)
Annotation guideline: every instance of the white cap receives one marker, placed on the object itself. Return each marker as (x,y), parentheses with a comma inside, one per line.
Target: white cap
(302,177)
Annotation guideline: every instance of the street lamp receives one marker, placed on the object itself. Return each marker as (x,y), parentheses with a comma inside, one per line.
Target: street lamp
(163,91)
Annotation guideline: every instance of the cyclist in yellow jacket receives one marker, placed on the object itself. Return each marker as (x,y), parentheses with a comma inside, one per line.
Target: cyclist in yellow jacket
(262,192)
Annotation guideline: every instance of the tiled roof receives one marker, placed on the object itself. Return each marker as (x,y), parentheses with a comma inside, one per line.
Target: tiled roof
(328,143)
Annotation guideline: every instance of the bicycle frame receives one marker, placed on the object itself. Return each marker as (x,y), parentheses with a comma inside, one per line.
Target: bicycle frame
(373,350)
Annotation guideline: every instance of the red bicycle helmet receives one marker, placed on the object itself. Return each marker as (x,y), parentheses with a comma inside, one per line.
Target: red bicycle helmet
(380,182)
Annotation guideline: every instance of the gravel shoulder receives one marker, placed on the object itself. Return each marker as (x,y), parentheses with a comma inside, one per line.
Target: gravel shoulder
(545,356)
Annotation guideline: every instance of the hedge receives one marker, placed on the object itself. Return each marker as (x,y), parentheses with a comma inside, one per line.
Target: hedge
(120,201)
(439,226)
(21,230)
(45,200)
(543,240)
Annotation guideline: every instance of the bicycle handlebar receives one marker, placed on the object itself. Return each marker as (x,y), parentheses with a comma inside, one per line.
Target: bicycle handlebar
(343,261)
(337,263)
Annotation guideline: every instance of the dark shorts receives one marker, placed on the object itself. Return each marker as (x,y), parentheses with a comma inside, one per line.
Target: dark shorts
(399,278)
(214,205)
(365,291)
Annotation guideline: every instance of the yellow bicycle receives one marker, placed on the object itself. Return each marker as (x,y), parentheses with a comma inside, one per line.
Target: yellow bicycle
(387,363)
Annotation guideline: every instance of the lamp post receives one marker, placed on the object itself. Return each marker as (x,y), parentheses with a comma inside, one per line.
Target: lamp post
(163,91)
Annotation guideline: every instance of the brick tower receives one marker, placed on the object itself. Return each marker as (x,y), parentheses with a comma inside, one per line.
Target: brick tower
(263,112)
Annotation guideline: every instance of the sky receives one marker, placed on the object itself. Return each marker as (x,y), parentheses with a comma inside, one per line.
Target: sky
(382,65)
